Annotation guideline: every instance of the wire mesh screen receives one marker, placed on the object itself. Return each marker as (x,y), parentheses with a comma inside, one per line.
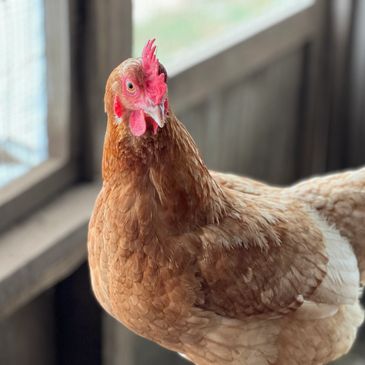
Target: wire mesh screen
(23,104)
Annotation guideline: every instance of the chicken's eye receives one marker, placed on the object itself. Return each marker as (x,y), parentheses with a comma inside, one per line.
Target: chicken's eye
(130,86)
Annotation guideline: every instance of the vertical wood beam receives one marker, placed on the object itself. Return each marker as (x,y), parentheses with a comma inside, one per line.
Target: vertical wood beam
(102,38)
(313,136)
(58,77)
(356,113)
(339,65)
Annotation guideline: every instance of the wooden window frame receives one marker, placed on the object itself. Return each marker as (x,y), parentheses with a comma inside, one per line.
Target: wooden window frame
(45,213)
(29,191)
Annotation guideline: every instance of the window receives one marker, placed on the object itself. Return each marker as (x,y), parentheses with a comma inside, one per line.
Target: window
(23,97)
(183,28)
(35,128)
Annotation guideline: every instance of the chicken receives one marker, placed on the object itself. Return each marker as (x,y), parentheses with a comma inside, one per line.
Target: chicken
(220,268)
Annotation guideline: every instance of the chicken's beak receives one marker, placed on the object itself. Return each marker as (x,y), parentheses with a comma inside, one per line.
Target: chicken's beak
(157,112)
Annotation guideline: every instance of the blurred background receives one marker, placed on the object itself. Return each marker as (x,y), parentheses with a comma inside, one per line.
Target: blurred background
(273,89)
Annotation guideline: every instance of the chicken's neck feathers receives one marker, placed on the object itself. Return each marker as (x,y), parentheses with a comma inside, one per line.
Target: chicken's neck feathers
(166,170)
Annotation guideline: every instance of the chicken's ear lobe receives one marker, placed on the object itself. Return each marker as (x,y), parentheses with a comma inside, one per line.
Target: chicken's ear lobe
(117,107)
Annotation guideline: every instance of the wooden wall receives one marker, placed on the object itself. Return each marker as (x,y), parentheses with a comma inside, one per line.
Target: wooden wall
(27,337)
(252,126)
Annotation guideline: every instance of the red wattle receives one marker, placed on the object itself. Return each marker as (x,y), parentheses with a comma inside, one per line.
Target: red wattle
(137,123)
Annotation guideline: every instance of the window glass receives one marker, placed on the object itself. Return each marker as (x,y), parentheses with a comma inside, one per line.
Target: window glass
(180,26)
(23,102)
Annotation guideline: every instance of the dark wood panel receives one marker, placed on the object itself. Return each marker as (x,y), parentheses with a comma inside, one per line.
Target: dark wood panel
(251,126)
(27,336)
(102,38)
(356,137)
(78,321)
(124,347)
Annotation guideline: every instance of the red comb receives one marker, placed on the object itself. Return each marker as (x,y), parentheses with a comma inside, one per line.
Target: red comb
(155,83)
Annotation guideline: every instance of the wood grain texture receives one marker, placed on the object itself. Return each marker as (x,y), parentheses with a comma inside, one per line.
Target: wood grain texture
(238,128)
(355,155)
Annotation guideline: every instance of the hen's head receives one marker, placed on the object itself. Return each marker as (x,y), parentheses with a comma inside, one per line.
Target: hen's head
(136,92)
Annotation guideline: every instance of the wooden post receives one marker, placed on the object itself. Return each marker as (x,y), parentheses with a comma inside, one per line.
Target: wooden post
(101,39)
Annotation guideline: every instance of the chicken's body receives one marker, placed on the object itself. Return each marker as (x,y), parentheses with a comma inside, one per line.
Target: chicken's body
(223,269)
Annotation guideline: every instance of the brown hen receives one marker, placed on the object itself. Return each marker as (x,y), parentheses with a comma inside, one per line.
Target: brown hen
(220,268)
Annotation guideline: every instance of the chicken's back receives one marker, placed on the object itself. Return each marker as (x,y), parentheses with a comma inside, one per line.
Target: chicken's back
(340,199)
